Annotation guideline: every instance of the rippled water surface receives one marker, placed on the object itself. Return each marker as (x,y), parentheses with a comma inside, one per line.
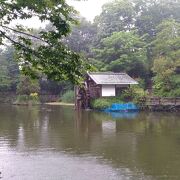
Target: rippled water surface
(58,143)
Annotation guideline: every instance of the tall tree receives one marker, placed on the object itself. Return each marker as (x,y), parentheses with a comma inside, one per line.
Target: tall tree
(167,59)
(150,13)
(9,70)
(80,39)
(51,57)
(140,15)
(26,86)
(123,51)
(12,67)
(116,16)
(4,78)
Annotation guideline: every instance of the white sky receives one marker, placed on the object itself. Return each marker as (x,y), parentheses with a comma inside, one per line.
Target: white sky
(88,8)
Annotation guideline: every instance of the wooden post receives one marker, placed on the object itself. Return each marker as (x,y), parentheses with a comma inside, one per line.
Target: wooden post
(75,96)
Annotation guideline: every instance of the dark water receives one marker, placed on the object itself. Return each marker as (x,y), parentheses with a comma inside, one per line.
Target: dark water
(53,142)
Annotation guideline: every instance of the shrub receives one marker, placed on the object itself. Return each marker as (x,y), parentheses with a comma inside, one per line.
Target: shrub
(26,86)
(134,93)
(102,103)
(22,98)
(25,99)
(34,97)
(68,97)
(175,93)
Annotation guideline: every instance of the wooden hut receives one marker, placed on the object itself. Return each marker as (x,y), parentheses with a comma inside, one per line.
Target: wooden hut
(101,84)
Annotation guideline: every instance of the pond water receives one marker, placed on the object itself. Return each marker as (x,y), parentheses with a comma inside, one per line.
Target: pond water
(58,143)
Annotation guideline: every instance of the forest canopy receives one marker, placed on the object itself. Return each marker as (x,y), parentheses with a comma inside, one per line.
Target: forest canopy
(140,37)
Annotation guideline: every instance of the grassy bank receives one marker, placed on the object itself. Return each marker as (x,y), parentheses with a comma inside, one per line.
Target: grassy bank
(60,104)
(32,99)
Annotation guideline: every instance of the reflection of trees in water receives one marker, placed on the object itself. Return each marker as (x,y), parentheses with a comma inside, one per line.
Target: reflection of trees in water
(8,125)
(73,131)
(30,124)
(133,143)
(158,147)
(18,122)
(147,143)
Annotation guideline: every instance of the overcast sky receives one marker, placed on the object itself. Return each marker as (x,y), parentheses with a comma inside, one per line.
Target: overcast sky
(88,8)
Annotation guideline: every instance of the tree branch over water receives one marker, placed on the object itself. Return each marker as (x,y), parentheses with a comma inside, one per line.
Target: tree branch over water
(44,50)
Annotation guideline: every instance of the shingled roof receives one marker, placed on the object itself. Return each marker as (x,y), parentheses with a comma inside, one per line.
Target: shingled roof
(111,78)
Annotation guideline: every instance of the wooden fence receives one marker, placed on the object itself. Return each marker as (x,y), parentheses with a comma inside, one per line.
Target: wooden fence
(157,103)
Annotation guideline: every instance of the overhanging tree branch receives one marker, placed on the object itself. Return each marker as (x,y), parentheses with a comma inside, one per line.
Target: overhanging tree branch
(24,33)
(49,55)
(18,43)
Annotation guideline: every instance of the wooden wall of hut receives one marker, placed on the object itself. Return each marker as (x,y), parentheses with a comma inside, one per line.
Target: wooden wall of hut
(83,95)
(93,88)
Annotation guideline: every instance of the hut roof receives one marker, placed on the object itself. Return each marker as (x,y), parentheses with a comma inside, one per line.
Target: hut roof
(111,78)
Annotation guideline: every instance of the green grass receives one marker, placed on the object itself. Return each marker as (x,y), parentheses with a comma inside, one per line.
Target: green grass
(25,99)
(105,102)
(68,97)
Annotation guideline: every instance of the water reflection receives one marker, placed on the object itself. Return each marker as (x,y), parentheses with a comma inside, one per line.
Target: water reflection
(147,146)
(123,115)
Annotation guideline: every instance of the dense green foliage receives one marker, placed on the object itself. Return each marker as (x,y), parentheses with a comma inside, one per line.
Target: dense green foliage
(123,51)
(9,70)
(116,16)
(134,94)
(105,102)
(31,99)
(49,56)
(81,37)
(68,97)
(140,37)
(26,86)
(167,59)
(12,82)
(27,91)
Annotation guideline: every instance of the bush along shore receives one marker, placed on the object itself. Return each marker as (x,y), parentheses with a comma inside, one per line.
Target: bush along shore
(32,99)
(132,94)
(139,97)
(144,104)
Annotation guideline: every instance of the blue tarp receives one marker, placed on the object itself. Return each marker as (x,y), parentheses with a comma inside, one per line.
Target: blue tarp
(122,107)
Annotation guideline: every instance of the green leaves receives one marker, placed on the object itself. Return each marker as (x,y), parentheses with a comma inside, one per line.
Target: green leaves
(44,51)
(167,59)
(136,35)
(26,86)
(9,70)
(123,51)
(116,16)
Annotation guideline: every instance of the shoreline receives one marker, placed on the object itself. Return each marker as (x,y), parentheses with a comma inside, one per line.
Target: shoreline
(60,104)
(146,108)
(49,103)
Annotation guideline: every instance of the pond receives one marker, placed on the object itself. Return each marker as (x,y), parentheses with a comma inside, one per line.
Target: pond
(58,143)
